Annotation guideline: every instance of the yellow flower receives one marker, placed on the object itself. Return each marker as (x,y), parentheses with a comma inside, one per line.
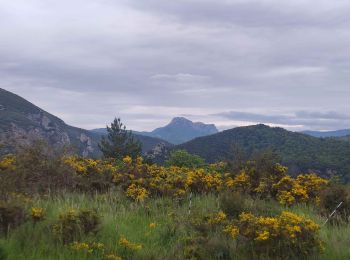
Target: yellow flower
(37,214)
(136,192)
(217,218)
(241,181)
(129,245)
(246,216)
(76,246)
(232,230)
(139,160)
(112,257)
(262,236)
(152,225)
(127,160)
(8,163)
(87,247)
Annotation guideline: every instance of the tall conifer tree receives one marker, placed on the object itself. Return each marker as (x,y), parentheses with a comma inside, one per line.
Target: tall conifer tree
(119,142)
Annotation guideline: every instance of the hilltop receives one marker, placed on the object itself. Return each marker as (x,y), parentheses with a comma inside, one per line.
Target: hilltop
(298,151)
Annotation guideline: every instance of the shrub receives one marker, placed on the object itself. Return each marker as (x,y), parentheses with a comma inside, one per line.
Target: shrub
(232,203)
(304,188)
(262,207)
(7,167)
(137,193)
(89,221)
(212,247)
(91,175)
(181,158)
(11,216)
(287,235)
(38,168)
(72,225)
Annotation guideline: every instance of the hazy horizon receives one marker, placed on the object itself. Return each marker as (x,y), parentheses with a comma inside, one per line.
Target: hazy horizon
(230,63)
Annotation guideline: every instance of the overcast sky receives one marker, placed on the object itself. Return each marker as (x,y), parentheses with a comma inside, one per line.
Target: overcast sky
(228,62)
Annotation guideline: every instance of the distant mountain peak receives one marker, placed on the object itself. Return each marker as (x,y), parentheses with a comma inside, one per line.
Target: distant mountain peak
(180,120)
(178,130)
(181,129)
(186,122)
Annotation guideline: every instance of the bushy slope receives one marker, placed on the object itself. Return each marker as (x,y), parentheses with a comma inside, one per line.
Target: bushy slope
(20,119)
(298,151)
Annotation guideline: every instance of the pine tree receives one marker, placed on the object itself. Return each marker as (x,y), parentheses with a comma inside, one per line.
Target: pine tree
(119,142)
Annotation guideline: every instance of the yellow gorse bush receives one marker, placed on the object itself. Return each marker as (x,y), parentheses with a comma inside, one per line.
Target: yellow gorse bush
(86,167)
(129,245)
(37,213)
(168,181)
(127,160)
(136,192)
(8,162)
(140,180)
(232,230)
(304,188)
(89,248)
(273,235)
(217,218)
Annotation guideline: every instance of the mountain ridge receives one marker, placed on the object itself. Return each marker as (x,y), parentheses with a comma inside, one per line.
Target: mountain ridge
(335,133)
(21,119)
(298,151)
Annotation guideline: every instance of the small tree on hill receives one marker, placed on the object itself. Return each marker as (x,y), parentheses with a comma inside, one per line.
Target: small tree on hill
(119,142)
(182,158)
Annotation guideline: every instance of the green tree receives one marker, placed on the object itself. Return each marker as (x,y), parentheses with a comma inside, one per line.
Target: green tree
(182,158)
(119,142)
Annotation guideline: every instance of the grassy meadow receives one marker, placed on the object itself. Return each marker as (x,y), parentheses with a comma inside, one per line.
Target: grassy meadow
(56,206)
(166,240)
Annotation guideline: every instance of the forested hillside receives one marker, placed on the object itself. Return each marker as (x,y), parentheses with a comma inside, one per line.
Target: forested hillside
(298,151)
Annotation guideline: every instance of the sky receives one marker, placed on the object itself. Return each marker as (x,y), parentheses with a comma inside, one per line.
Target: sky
(228,62)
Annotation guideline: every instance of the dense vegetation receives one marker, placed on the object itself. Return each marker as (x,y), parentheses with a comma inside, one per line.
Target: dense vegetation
(301,153)
(58,206)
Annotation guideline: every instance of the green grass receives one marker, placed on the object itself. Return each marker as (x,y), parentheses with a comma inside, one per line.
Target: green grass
(120,217)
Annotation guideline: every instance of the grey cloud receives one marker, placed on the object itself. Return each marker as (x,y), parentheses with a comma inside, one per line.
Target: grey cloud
(137,58)
(252,13)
